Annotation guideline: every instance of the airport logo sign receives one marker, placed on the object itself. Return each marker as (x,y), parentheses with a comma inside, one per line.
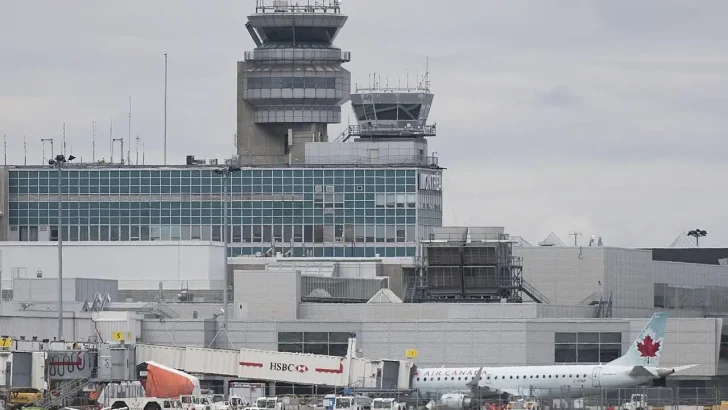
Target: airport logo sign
(288,367)
(430,182)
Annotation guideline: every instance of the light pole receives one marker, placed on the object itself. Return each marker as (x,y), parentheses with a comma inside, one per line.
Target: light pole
(225,173)
(697,233)
(58,163)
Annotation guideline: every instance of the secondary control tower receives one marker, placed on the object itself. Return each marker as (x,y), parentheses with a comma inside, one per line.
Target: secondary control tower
(292,85)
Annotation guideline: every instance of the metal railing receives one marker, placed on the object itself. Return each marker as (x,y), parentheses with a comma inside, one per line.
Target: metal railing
(533,293)
(380,130)
(298,6)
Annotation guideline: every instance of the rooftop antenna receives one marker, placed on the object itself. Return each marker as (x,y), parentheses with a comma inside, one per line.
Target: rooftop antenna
(121,140)
(43,141)
(5,149)
(93,142)
(575,235)
(136,162)
(128,137)
(143,151)
(111,141)
(64,138)
(25,151)
(165,108)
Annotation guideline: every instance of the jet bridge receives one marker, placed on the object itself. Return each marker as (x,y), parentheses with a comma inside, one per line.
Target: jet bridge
(296,368)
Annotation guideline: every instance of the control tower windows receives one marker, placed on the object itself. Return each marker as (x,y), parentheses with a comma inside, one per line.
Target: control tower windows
(319,83)
(302,34)
(393,112)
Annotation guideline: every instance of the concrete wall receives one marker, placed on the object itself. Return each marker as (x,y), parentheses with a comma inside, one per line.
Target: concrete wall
(136,265)
(578,275)
(267,295)
(565,275)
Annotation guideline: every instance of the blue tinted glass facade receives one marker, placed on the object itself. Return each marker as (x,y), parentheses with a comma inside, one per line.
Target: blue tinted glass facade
(302,212)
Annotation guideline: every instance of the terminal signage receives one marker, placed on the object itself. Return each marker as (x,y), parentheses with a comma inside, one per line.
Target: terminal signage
(288,367)
(430,181)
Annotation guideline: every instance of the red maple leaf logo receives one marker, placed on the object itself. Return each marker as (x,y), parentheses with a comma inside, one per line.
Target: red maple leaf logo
(648,347)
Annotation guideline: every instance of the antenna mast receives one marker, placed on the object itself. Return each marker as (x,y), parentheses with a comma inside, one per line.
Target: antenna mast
(128,138)
(111,142)
(25,151)
(575,235)
(93,142)
(64,139)
(5,149)
(136,162)
(165,108)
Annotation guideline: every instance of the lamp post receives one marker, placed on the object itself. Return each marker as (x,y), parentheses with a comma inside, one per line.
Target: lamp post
(697,233)
(225,173)
(58,163)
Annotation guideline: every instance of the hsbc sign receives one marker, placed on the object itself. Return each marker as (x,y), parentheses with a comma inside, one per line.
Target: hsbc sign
(288,367)
(430,182)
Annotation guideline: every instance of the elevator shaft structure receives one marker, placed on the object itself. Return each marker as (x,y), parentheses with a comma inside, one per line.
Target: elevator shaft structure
(292,85)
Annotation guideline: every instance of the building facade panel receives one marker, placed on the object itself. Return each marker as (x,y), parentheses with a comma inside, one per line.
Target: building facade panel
(369,211)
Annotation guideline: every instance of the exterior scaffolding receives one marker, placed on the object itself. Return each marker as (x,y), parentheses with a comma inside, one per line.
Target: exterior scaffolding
(462,264)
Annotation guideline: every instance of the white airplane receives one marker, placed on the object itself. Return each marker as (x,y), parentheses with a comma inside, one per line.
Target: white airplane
(638,366)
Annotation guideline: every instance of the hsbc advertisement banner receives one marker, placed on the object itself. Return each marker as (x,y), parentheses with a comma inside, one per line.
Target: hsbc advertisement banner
(293,367)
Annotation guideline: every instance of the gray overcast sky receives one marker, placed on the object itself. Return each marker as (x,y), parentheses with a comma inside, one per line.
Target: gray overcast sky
(606,117)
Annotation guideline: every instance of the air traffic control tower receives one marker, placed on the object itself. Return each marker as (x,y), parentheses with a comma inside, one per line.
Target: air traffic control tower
(292,85)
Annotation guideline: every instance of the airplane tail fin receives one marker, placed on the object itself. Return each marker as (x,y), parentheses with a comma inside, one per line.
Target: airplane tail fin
(647,348)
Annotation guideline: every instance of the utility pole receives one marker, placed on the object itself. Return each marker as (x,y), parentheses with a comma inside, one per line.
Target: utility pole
(697,233)
(575,235)
(58,163)
(165,110)
(226,174)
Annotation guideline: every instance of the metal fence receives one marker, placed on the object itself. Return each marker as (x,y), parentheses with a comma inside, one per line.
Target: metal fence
(685,398)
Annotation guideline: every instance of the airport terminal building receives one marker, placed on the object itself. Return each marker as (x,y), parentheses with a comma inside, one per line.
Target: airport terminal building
(331,237)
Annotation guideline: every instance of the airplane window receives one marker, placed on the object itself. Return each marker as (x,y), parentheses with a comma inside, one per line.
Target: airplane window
(487,377)
(511,377)
(549,376)
(418,379)
(584,375)
(557,376)
(516,377)
(452,378)
(531,376)
(461,378)
(438,379)
(425,379)
(537,376)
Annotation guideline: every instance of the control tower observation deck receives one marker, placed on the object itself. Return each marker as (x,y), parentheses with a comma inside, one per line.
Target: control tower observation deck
(292,85)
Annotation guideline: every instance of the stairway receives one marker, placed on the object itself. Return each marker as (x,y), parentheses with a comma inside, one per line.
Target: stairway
(59,396)
(533,293)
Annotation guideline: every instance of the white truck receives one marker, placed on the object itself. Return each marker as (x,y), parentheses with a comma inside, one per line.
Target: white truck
(352,403)
(275,403)
(636,402)
(388,404)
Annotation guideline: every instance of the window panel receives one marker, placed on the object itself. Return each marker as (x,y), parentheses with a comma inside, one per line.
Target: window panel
(290,337)
(339,337)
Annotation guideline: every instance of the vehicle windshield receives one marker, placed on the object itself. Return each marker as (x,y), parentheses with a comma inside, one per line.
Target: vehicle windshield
(381,404)
(218,398)
(270,404)
(343,403)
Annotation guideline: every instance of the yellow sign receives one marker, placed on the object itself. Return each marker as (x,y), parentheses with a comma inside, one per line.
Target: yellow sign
(117,335)
(410,353)
(6,342)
